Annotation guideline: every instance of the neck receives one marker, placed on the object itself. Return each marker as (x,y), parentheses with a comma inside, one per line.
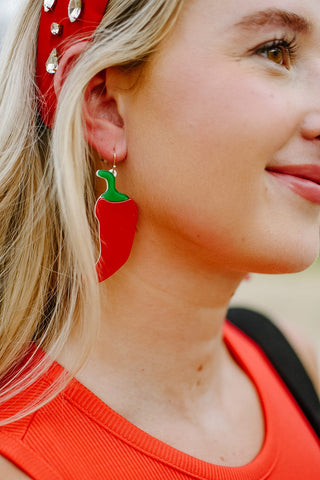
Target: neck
(162,325)
(161,332)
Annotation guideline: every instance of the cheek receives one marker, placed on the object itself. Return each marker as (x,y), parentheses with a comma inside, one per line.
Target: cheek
(198,159)
(219,114)
(211,134)
(237,119)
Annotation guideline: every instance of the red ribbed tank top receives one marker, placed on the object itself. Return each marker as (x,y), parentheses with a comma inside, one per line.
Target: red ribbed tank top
(77,437)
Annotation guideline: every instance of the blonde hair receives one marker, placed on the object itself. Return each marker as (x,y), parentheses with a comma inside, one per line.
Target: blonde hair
(48,241)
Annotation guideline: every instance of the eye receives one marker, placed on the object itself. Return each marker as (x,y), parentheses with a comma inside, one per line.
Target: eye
(281,52)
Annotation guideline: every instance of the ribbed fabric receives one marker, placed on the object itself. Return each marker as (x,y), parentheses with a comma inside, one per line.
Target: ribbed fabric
(77,437)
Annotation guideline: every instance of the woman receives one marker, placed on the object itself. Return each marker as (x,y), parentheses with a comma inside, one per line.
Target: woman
(209,112)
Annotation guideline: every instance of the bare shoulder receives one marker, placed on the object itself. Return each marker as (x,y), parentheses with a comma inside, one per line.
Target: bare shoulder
(305,349)
(8,471)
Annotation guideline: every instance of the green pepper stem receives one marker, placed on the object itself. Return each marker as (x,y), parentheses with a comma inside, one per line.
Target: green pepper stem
(111,194)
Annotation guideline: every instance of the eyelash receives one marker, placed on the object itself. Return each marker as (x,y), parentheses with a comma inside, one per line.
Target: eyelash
(288,48)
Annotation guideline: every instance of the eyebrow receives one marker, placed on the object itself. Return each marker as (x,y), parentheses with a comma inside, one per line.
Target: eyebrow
(276,17)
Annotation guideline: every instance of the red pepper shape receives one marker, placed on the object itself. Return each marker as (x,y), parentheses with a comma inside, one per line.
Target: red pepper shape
(117,215)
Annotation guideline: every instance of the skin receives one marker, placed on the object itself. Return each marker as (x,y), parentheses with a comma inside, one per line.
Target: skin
(210,112)
(197,136)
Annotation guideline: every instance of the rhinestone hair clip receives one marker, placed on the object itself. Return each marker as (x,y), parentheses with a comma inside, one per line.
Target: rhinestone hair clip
(60,22)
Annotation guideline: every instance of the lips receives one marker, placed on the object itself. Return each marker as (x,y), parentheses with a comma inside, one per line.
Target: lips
(308,172)
(303,180)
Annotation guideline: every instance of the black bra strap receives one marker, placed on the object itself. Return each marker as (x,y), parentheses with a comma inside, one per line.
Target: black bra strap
(283,357)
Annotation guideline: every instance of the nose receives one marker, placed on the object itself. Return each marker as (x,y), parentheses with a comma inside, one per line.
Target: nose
(310,128)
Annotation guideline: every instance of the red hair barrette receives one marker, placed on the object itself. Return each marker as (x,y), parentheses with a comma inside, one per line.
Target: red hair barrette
(60,21)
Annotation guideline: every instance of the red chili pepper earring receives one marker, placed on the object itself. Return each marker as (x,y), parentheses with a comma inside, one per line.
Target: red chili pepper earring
(117,215)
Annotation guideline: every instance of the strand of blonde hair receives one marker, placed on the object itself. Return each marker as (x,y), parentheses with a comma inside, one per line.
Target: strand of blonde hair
(48,244)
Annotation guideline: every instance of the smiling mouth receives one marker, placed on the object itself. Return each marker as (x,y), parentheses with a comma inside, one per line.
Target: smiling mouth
(309,172)
(303,180)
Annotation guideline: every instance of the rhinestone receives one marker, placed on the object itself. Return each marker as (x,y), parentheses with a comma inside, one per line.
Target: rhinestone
(52,62)
(74,10)
(56,29)
(49,5)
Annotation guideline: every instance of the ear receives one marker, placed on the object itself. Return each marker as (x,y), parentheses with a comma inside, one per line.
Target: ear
(104,127)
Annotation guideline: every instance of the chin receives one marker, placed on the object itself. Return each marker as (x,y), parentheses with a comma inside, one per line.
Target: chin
(294,263)
(291,253)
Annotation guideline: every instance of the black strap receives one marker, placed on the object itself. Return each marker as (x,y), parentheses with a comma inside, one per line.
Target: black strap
(283,357)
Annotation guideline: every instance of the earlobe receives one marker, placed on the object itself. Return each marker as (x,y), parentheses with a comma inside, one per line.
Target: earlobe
(103,124)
